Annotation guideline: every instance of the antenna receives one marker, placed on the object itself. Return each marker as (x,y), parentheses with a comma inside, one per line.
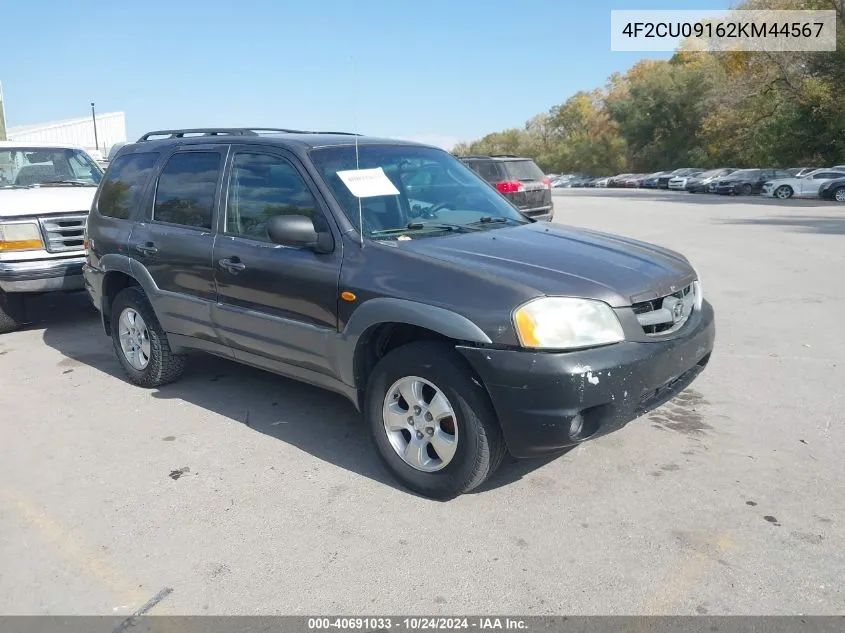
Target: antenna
(357,157)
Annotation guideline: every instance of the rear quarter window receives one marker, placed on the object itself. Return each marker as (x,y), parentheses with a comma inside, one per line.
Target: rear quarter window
(489,170)
(123,184)
(524,170)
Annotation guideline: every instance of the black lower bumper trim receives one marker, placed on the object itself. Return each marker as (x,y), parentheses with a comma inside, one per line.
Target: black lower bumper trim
(548,401)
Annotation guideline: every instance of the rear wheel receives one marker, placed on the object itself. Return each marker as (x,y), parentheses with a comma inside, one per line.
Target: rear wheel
(12,306)
(784,192)
(745,189)
(839,194)
(431,421)
(140,342)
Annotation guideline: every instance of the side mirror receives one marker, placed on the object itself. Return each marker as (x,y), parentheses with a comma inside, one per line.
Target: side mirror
(298,231)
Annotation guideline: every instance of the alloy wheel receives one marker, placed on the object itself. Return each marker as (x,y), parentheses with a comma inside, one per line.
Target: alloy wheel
(134,339)
(783,192)
(420,424)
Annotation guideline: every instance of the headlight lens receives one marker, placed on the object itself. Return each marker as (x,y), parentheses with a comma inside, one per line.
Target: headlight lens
(566,323)
(20,236)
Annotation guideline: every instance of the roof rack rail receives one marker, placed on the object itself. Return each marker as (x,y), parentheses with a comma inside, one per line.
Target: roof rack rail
(226,131)
(198,132)
(505,156)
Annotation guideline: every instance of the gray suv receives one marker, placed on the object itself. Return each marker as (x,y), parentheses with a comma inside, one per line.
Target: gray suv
(520,180)
(460,328)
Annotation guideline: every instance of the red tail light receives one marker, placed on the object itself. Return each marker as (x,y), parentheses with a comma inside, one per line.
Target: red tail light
(510,186)
(547,183)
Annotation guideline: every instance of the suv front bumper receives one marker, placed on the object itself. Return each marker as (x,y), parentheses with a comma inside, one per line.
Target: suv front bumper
(538,396)
(44,275)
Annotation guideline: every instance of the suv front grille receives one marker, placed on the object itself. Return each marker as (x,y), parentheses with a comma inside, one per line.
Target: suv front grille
(668,314)
(64,233)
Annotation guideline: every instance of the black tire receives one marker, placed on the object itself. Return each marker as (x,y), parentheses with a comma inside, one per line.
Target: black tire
(787,192)
(12,311)
(745,190)
(480,448)
(838,194)
(164,366)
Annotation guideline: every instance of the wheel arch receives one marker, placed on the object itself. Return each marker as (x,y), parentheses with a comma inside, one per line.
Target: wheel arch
(121,272)
(381,325)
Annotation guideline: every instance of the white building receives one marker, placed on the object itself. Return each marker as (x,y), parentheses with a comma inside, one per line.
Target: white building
(111,129)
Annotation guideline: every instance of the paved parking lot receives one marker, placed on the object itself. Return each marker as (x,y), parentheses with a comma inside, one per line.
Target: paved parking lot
(248,493)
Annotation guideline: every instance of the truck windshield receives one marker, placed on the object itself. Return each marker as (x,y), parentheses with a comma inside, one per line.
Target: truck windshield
(47,167)
(413,191)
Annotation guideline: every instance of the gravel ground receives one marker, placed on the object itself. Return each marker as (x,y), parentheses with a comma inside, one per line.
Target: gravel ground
(247,493)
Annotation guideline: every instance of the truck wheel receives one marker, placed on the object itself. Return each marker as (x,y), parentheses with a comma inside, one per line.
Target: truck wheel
(11,311)
(140,343)
(431,420)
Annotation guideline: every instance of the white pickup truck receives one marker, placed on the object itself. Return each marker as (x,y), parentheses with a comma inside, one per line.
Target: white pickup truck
(46,192)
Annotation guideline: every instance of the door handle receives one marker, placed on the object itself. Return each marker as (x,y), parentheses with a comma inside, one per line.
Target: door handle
(146,249)
(233,265)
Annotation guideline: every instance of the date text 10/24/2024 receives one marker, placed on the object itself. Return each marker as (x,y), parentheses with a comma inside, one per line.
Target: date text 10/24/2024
(417,624)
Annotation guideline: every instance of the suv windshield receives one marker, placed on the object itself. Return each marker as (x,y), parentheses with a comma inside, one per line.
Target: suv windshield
(48,167)
(437,193)
(524,170)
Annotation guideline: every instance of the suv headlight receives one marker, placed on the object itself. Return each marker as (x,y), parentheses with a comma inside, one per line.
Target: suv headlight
(566,323)
(20,236)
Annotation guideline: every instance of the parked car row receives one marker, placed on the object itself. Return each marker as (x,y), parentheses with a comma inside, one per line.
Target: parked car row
(799,182)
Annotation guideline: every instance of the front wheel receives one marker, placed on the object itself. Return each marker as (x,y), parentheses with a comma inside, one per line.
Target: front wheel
(431,421)
(839,194)
(784,192)
(140,342)
(11,311)
(745,190)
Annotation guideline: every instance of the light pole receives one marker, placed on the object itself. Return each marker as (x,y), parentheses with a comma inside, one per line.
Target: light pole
(94,118)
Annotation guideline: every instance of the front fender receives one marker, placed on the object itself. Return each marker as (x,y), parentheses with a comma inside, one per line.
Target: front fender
(389,310)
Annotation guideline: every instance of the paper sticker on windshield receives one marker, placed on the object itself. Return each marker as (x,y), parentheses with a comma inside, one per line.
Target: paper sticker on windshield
(368,183)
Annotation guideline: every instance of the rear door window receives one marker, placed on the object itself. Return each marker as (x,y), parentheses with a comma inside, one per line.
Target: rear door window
(186,188)
(124,184)
(524,170)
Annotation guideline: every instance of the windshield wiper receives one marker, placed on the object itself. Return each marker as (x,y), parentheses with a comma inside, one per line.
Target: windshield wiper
(424,226)
(489,219)
(68,183)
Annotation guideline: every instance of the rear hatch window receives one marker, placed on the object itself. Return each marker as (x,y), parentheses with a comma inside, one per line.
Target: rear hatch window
(524,170)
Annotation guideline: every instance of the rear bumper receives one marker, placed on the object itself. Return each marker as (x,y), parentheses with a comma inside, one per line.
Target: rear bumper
(539,396)
(44,275)
(94,278)
(541,214)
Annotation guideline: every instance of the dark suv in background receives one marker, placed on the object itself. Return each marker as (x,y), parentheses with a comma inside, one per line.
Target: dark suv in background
(520,180)
(745,182)
(390,273)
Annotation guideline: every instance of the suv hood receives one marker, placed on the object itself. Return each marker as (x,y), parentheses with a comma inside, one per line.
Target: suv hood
(565,261)
(45,201)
